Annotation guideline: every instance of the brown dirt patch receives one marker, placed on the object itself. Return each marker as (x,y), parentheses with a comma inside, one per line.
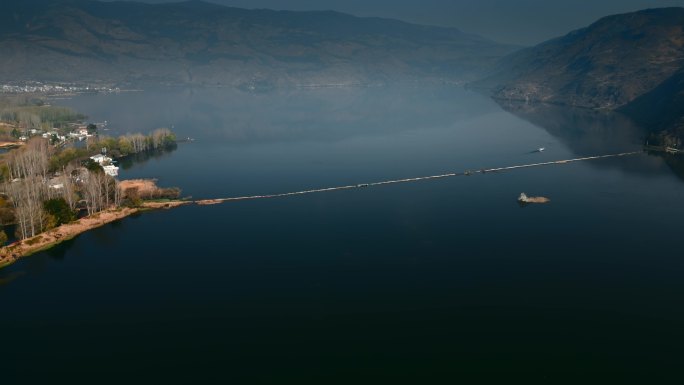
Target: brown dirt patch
(207,202)
(143,186)
(165,205)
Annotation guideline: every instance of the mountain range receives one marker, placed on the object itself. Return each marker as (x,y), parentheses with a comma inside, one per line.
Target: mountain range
(195,42)
(633,63)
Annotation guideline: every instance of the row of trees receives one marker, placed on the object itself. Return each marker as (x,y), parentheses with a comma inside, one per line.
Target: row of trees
(161,138)
(39,117)
(100,191)
(122,146)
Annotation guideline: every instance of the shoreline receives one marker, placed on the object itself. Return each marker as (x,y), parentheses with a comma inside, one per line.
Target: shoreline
(10,145)
(14,252)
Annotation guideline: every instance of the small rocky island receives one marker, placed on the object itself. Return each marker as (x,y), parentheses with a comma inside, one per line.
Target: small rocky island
(524,199)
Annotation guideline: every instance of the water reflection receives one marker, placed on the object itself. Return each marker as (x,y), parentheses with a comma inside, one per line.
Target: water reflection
(6,277)
(60,251)
(325,274)
(585,131)
(105,237)
(129,161)
(676,164)
(238,117)
(589,132)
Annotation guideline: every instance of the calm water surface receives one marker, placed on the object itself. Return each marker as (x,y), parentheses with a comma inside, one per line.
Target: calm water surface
(432,279)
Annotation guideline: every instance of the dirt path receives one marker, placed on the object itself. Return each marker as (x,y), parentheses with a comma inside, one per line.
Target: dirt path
(148,186)
(165,204)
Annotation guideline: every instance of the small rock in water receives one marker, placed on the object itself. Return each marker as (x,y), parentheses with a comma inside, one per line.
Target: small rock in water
(525,199)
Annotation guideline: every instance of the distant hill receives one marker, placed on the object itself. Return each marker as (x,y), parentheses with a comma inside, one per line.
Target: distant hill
(633,62)
(195,42)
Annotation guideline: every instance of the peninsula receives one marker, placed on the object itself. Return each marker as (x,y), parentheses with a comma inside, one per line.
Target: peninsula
(59,175)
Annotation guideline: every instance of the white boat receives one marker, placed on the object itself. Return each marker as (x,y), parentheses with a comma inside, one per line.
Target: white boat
(541,149)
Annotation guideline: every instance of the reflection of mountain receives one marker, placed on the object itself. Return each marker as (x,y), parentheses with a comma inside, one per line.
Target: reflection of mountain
(585,131)
(283,115)
(195,42)
(589,132)
(676,164)
(662,109)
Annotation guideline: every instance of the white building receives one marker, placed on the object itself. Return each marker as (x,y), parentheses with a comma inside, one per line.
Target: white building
(77,135)
(101,159)
(111,170)
(59,137)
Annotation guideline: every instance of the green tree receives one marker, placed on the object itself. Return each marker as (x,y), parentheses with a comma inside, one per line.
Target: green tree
(125,147)
(60,210)
(92,166)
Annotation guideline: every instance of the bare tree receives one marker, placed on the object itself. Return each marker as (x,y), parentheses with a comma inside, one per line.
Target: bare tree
(27,188)
(160,136)
(92,192)
(27,197)
(100,192)
(118,194)
(68,187)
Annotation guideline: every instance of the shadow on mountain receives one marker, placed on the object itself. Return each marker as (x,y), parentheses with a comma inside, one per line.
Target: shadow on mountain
(589,132)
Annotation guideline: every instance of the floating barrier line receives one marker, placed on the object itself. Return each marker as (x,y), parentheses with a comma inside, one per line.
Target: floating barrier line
(416,179)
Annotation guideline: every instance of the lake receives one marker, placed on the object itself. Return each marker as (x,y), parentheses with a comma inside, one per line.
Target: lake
(439,279)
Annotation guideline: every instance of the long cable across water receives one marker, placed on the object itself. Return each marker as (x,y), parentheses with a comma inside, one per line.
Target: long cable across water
(417,179)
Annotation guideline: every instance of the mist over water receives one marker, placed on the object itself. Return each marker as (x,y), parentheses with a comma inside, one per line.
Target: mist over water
(431,277)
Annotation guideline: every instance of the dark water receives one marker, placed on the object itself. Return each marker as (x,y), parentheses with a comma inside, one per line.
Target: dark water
(448,279)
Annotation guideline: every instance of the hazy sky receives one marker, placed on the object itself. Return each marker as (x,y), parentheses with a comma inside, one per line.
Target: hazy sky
(512,21)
